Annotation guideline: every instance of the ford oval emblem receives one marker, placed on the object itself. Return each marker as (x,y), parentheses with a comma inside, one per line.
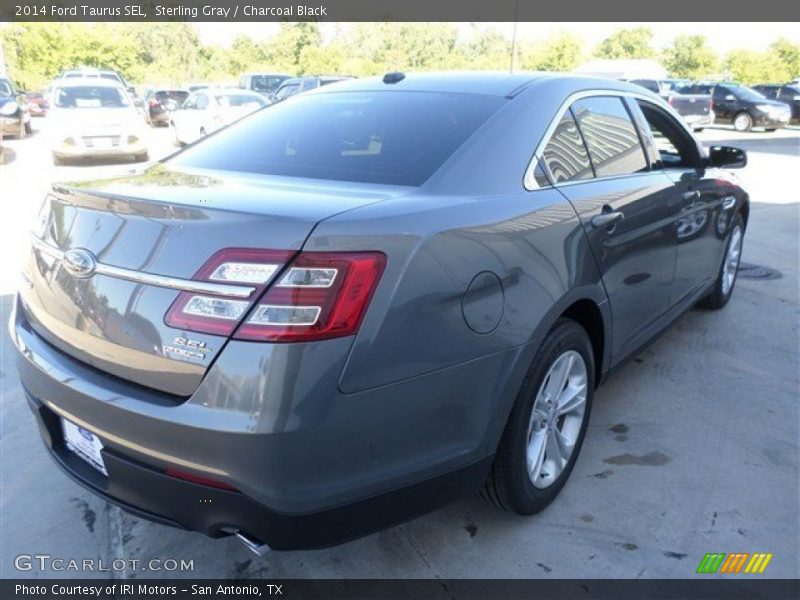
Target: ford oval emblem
(79,263)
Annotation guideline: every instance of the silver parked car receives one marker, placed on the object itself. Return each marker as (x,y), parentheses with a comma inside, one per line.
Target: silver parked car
(350,308)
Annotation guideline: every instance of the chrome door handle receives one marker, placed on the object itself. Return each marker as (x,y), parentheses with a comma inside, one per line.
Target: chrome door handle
(607,219)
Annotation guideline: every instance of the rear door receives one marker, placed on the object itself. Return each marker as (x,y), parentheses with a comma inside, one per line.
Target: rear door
(627,212)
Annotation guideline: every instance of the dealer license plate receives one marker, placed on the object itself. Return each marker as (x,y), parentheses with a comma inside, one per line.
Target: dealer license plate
(85,444)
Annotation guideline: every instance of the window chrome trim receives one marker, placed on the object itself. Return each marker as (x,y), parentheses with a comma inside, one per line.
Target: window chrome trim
(529,180)
(174,283)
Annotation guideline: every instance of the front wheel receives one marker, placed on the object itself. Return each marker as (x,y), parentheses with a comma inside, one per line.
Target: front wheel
(743,122)
(726,279)
(547,425)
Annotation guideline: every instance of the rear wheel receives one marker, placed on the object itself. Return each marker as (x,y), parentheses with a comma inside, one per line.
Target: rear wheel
(743,122)
(175,139)
(699,129)
(726,279)
(58,160)
(771,129)
(141,157)
(203,132)
(21,131)
(547,425)
(28,128)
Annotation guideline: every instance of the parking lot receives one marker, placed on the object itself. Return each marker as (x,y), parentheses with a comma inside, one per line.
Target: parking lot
(692,448)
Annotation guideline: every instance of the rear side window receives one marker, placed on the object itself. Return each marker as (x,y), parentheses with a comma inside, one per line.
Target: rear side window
(565,155)
(397,138)
(611,138)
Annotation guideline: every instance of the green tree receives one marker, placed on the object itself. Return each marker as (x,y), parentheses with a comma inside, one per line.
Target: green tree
(627,43)
(560,52)
(689,56)
(750,67)
(789,54)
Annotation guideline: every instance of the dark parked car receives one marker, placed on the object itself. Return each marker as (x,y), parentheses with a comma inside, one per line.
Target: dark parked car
(14,116)
(296,85)
(695,109)
(37,104)
(348,309)
(263,83)
(787,93)
(158,103)
(742,107)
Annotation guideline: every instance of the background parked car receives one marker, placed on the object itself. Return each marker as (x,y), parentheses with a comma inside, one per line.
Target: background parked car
(93,117)
(158,102)
(290,87)
(109,74)
(37,104)
(208,110)
(742,107)
(787,93)
(695,109)
(263,83)
(14,116)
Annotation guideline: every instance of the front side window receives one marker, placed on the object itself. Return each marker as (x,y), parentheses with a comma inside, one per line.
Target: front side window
(611,138)
(398,138)
(789,93)
(675,147)
(565,154)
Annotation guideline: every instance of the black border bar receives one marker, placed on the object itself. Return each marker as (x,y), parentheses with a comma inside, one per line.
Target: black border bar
(398,10)
(701,588)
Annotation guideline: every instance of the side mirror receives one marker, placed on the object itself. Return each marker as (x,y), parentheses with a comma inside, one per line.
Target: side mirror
(727,157)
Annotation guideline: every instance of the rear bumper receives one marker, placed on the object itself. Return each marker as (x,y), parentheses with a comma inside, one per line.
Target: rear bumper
(10,125)
(81,151)
(314,467)
(152,495)
(699,120)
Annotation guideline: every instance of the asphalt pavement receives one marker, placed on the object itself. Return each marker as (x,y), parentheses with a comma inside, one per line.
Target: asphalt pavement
(692,448)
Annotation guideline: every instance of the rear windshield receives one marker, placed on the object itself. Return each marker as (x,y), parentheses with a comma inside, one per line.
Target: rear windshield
(397,138)
(90,96)
(177,95)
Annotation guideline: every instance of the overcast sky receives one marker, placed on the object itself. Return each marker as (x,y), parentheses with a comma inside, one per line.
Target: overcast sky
(721,36)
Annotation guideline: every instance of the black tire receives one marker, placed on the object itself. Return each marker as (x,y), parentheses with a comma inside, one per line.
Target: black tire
(699,129)
(718,298)
(508,485)
(21,131)
(28,128)
(749,121)
(58,160)
(771,129)
(141,157)
(203,132)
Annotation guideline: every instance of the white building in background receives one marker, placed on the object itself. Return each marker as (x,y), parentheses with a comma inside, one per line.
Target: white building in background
(622,68)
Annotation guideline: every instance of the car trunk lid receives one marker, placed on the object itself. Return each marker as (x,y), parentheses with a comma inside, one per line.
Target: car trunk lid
(149,235)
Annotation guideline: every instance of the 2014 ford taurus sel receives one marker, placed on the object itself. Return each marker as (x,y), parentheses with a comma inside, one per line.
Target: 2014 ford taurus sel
(356,305)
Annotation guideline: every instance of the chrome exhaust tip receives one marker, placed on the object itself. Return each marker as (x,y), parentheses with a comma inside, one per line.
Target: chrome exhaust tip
(255,546)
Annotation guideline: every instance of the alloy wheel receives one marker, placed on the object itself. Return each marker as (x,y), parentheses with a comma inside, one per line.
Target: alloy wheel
(731,264)
(556,419)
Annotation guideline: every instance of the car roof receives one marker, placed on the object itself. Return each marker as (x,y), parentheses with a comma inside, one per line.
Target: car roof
(266,74)
(82,81)
(483,83)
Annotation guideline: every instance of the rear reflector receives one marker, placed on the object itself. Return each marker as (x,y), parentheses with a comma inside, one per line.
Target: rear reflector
(323,295)
(201,480)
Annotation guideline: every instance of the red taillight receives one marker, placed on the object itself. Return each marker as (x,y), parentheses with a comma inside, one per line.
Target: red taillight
(321,295)
(217,313)
(154,102)
(170,472)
